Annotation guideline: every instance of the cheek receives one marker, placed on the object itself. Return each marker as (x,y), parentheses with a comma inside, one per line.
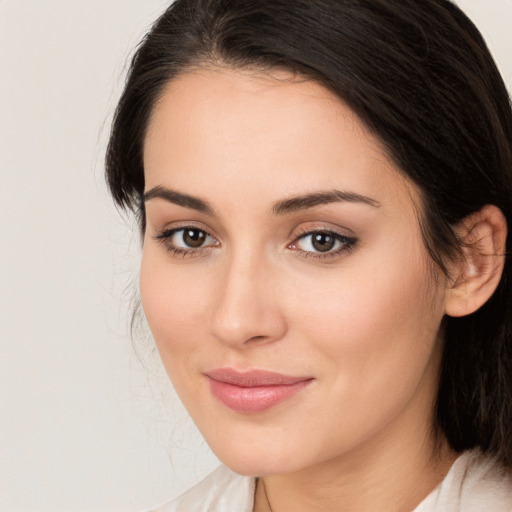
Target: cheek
(373,319)
(372,334)
(174,305)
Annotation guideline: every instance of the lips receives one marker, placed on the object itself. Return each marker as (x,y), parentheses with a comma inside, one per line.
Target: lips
(253,391)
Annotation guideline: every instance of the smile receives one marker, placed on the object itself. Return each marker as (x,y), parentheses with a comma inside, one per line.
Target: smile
(254,391)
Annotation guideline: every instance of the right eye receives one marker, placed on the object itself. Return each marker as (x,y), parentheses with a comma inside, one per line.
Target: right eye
(186,240)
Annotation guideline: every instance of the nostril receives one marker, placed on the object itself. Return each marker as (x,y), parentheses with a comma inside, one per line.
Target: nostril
(256,338)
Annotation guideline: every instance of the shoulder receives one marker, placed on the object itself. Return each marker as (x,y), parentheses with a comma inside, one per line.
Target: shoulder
(475,483)
(221,491)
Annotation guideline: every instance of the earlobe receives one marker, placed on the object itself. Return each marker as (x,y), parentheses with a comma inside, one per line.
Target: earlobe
(476,275)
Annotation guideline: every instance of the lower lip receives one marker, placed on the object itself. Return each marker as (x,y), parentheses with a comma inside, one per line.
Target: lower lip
(251,400)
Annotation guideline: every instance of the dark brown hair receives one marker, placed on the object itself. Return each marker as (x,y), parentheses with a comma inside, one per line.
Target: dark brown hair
(421,78)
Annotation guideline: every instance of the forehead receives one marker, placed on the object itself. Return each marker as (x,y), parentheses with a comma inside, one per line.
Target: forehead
(255,101)
(213,128)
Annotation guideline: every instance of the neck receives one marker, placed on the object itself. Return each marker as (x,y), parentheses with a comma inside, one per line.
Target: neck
(380,481)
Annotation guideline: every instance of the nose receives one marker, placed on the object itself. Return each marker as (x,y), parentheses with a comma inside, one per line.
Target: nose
(247,306)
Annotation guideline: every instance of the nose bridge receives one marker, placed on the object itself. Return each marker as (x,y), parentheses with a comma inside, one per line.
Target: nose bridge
(246,309)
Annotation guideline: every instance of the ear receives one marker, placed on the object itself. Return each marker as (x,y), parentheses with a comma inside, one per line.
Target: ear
(477,274)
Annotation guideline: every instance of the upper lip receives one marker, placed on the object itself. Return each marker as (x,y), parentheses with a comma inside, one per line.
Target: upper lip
(253,378)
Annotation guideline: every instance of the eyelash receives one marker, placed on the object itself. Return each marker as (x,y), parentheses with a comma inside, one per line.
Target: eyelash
(347,243)
(165,239)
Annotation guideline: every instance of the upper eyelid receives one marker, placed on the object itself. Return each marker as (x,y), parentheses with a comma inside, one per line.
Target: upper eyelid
(167,233)
(296,233)
(339,236)
(180,226)
(342,232)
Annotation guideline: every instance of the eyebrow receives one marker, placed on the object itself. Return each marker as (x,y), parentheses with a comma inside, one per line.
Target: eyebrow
(177,198)
(283,207)
(307,201)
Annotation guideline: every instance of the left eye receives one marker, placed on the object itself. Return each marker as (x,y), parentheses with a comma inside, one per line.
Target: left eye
(189,238)
(322,242)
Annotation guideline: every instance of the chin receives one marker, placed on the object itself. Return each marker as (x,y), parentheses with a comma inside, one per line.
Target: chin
(261,460)
(257,466)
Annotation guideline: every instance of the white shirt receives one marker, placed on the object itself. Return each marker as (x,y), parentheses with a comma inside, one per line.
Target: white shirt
(473,484)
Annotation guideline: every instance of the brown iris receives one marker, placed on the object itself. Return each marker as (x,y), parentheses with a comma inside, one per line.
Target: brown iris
(194,237)
(323,242)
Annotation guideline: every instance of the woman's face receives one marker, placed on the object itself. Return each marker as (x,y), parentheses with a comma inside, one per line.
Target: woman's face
(281,238)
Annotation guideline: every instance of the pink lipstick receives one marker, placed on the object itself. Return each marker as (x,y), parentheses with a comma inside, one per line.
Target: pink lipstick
(253,391)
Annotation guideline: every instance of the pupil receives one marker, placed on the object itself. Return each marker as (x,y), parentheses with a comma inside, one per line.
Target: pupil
(323,242)
(194,237)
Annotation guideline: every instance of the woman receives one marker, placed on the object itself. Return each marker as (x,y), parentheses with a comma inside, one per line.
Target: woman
(323,190)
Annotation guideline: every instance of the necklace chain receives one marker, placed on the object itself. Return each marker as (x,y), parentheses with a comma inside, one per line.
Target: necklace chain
(266,495)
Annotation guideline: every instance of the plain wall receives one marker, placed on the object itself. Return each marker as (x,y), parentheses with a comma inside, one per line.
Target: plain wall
(84,425)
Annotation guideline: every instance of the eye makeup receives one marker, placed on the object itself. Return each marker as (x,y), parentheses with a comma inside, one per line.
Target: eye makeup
(320,244)
(186,241)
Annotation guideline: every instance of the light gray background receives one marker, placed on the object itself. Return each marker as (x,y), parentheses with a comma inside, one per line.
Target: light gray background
(84,426)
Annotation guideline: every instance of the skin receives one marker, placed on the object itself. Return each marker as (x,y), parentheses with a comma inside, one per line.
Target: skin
(363,323)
